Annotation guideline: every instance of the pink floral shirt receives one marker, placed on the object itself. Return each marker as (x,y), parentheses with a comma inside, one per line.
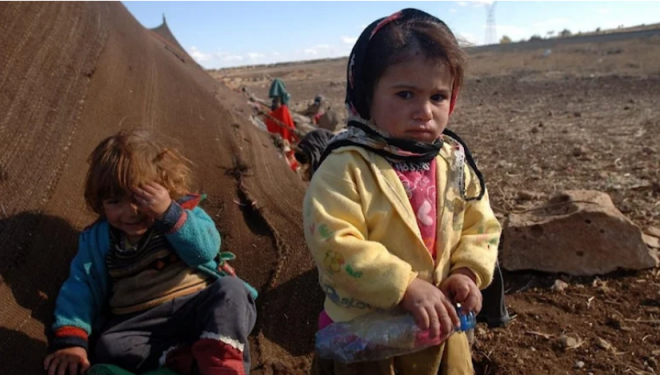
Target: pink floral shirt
(419,180)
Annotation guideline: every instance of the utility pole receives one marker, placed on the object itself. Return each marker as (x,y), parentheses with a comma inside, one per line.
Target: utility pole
(491,32)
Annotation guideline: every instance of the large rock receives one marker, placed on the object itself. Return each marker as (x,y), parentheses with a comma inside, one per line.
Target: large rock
(576,232)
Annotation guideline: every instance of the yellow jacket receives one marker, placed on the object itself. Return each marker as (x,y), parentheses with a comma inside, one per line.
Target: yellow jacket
(363,235)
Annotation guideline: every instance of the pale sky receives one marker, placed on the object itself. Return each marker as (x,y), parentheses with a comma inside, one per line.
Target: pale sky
(224,34)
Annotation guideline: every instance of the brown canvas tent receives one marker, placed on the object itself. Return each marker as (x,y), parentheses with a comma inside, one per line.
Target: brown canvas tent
(74,73)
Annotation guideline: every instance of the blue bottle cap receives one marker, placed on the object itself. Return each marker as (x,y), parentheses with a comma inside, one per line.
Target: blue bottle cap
(468,320)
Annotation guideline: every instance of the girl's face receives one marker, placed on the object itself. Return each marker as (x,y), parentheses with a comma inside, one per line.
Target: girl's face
(123,214)
(411,100)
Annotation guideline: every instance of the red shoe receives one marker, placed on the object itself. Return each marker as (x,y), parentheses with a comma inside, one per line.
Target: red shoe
(222,356)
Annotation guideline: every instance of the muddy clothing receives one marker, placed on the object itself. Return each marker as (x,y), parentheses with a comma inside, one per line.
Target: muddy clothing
(363,234)
(83,301)
(149,273)
(185,332)
(364,237)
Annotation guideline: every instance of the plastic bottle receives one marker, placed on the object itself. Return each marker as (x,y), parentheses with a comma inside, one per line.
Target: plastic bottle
(380,335)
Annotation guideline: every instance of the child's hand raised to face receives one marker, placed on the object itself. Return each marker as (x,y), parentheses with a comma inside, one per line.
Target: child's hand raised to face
(461,288)
(152,199)
(430,308)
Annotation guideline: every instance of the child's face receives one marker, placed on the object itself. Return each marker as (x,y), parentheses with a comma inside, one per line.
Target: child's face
(123,214)
(411,100)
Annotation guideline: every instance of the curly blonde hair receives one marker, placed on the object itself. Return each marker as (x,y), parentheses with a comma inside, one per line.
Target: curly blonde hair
(129,159)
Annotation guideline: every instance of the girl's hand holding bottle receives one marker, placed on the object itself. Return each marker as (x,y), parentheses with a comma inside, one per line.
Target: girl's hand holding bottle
(430,307)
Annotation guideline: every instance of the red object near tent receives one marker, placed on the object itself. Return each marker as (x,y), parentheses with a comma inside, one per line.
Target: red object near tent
(283,115)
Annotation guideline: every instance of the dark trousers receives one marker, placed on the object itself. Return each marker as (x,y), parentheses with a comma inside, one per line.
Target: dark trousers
(493,310)
(139,342)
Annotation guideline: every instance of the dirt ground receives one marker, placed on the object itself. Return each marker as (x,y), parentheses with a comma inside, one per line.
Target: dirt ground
(579,116)
(583,116)
(70,75)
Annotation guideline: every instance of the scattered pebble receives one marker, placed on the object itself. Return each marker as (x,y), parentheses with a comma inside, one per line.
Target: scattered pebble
(579,151)
(526,195)
(481,332)
(579,364)
(603,344)
(559,286)
(568,342)
(653,231)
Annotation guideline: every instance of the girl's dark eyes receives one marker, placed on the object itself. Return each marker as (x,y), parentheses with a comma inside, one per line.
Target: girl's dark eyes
(111,201)
(409,95)
(438,97)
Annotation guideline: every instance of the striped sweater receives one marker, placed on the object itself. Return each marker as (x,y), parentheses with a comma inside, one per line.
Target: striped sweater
(86,295)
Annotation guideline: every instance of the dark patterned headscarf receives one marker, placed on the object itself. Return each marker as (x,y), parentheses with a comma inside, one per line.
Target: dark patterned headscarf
(360,129)
(356,92)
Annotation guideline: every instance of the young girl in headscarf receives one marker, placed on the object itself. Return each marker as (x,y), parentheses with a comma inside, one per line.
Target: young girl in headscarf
(397,214)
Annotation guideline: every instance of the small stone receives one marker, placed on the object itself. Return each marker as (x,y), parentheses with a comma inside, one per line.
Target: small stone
(533,349)
(603,344)
(568,342)
(579,364)
(526,195)
(579,151)
(481,332)
(520,361)
(625,208)
(577,114)
(536,169)
(627,107)
(651,241)
(653,231)
(559,286)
